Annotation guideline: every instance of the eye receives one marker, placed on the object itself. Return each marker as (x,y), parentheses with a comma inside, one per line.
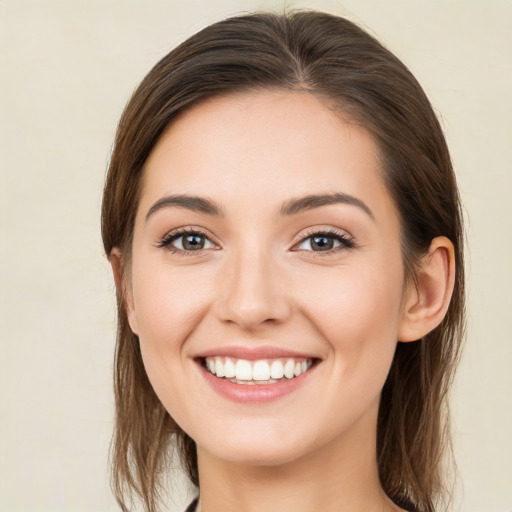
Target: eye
(325,241)
(186,241)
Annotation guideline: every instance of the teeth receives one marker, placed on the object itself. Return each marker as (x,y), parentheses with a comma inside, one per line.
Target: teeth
(277,370)
(262,371)
(219,368)
(229,369)
(289,369)
(243,370)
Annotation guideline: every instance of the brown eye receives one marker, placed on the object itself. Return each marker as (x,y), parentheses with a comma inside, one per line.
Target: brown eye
(325,242)
(186,241)
(321,243)
(193,242)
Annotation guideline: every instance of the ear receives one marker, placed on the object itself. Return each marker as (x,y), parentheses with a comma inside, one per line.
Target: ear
(427,299)
(123,288)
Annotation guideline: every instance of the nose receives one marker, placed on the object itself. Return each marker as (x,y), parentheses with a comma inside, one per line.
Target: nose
(251,291)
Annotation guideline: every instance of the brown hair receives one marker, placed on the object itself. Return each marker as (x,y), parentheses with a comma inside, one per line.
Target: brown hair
(329,56)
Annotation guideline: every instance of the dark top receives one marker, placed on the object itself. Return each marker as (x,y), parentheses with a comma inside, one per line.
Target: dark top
(192,506)
(404,505)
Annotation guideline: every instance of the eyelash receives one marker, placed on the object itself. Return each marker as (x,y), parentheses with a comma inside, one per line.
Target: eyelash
(168,239)
(344,241)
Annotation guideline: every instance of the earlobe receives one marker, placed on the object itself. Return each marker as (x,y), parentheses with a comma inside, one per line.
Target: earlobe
(123,288)
(428,298)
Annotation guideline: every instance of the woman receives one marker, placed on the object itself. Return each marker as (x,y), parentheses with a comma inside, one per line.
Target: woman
(284,228)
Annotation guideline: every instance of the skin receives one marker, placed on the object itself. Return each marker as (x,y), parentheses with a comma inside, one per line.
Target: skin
(258,281)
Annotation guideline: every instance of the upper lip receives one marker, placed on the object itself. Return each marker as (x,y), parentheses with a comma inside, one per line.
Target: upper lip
(254,353)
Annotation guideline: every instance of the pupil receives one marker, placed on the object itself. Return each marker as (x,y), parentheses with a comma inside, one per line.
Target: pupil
(193,242)
(322,242)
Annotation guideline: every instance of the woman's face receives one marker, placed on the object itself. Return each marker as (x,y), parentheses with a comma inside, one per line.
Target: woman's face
(266,248)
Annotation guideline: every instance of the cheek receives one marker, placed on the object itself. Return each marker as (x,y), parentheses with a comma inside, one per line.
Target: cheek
(169,305)
(358,313)
(347,300)
(168,302)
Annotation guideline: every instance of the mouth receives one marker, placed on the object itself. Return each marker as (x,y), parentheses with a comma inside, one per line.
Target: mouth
(257,372)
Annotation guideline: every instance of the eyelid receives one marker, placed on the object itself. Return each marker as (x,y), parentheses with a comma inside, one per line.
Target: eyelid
(165,242)
(347,241)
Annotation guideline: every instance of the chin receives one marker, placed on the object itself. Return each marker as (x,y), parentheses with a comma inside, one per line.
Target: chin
(257,454)
(265,445)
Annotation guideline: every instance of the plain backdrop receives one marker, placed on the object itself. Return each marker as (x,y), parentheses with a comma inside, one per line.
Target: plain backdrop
(66,70)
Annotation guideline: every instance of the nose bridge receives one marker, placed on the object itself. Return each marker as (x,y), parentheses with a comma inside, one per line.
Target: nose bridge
(252,291)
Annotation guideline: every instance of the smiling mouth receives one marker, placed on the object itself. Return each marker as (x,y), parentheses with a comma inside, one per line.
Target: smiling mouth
(261,371)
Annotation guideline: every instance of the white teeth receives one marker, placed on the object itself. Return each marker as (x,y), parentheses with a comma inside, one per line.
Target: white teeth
(277,369)
(229,369)
(243,370)
(262,371)
(289,369)
(219,367)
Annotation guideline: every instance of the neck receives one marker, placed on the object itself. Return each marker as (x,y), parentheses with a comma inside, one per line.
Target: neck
(340,476)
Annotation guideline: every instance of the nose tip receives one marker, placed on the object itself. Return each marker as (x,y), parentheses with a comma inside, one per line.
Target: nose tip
(252,295)
(249,317)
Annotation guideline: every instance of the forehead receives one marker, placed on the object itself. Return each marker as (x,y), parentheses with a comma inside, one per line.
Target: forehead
(264,145)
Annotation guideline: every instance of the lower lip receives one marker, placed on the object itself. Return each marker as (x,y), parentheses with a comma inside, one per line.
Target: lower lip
(244,393)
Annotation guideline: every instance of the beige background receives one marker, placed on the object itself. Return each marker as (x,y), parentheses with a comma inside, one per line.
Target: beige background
(66,71)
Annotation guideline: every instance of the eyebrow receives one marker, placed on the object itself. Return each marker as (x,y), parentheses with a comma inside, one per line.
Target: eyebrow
(290,207)
(194,203)
(294,206)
